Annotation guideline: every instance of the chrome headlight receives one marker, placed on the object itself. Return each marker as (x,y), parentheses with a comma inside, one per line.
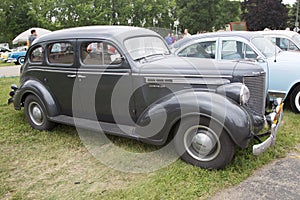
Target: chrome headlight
(244,95)
(236,91)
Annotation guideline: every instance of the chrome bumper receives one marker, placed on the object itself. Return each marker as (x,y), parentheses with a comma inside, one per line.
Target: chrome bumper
(275,117)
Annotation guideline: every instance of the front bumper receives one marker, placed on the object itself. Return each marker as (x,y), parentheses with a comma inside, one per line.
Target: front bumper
(274,120)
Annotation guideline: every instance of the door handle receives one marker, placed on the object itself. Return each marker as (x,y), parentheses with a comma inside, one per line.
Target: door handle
(71,75)
(81,76)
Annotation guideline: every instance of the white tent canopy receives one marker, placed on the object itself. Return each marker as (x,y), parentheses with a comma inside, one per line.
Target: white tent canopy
(23,37)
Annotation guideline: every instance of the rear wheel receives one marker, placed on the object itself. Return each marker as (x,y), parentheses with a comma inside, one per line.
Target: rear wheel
(295,99)
(204,143)
(36,114)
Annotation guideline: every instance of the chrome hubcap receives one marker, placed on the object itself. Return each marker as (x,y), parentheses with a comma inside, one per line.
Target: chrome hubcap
(36,113)
(202,143)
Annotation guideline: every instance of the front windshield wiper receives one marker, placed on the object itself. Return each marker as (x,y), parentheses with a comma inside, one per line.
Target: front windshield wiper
(151,55)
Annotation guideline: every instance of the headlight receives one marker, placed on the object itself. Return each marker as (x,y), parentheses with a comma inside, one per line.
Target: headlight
(236,91)
(244,95)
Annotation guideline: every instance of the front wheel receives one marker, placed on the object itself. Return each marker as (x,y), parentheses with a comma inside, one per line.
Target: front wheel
(295,99)
(36,114)
(204,143)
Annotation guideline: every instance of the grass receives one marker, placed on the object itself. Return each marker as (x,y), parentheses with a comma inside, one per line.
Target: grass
(4,64)
(56,165)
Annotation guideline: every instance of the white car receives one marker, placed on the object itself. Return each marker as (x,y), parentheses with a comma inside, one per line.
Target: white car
(282,67)
(285,40)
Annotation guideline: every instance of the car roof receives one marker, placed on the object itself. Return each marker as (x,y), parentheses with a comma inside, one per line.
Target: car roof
(278,32)
(117,32)
(248,35)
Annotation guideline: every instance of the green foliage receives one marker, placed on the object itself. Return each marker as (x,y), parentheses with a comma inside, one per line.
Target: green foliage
(261,14)
(17,16)
(208,15)
(292,10)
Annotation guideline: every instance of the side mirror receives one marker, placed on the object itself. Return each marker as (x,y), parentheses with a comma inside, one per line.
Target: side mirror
(260,59)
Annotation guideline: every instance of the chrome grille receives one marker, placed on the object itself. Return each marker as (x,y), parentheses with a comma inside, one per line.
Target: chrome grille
(257,87)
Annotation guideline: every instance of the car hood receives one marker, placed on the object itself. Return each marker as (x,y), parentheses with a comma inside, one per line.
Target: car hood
(287,56)
(172,65)
(190,66)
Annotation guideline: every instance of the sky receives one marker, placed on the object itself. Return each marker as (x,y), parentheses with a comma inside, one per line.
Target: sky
(291,2)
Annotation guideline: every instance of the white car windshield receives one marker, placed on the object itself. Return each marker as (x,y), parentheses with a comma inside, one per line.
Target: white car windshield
(296,37)
(265,46)
(142,47)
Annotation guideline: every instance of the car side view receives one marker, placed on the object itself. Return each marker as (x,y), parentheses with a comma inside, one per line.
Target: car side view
(126,81)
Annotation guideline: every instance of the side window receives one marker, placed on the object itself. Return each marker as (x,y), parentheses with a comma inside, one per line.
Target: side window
(99,53)
(205,49)
(232,49)
(37,55)
(61,53)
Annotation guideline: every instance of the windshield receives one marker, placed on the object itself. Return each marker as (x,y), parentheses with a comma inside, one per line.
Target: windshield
(265,46)
(296,37)
(142,47)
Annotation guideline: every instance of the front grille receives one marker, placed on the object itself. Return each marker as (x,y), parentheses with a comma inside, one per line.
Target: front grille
(257,87)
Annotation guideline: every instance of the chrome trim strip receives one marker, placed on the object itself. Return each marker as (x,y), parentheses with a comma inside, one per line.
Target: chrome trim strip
(105,73)
(203,81)
(183,75)
(46,70)
(127,72)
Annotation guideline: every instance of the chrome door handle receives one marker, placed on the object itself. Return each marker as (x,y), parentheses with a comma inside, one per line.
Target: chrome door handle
(71,75)
(81,76)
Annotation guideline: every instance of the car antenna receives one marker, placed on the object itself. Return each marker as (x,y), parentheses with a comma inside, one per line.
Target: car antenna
(275,60)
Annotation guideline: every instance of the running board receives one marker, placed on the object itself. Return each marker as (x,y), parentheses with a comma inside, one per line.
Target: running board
(113,129)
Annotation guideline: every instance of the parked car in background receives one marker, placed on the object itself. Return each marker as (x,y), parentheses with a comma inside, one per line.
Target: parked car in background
(120,76)
(17,56)
(282,67)
(4,53)
(285,40)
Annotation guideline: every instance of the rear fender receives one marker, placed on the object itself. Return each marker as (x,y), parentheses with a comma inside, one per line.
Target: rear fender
(36,88)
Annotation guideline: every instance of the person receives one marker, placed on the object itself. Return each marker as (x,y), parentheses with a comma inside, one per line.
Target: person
(168,39)
(32,37)
(186,33)
(173,38)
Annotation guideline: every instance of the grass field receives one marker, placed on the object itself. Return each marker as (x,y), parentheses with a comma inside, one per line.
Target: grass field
(56,165)
(3,64)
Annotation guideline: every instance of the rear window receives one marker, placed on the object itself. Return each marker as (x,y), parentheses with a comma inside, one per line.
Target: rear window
(36,55)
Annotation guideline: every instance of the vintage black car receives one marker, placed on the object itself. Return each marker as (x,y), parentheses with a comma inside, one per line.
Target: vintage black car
(127,80)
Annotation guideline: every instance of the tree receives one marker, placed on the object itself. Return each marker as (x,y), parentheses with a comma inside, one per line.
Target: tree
(207,15)
(14,19)
(292,10)
(261,14)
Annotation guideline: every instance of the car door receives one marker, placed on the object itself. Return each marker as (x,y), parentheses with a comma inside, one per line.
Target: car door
(55,72)
(104,80)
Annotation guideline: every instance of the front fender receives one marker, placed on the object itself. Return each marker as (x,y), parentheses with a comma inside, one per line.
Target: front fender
(36,88)
(176,106)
